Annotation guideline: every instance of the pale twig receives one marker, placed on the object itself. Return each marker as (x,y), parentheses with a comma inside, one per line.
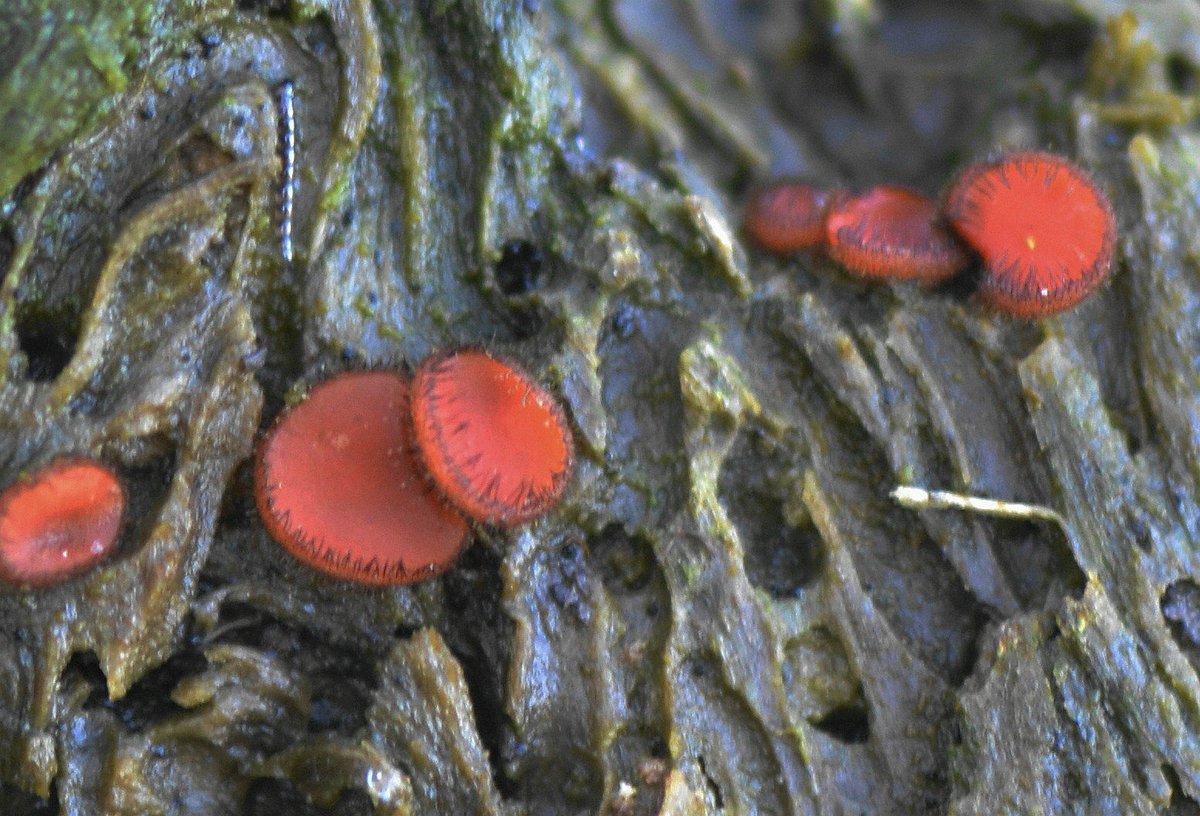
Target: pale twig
(918,498)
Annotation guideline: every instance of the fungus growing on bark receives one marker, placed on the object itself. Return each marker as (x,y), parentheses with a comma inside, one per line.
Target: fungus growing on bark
(493,441)
(59,521)
(1044,230)
(788,216)
(338,487)
(893,233)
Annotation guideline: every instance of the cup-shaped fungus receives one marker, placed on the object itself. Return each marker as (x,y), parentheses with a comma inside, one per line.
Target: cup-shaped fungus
(1044,230)
(493,441)
(893,233)
(59,521)
(338,487)
(788,216)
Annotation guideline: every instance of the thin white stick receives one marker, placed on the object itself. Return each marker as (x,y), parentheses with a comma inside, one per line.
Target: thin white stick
(918,498)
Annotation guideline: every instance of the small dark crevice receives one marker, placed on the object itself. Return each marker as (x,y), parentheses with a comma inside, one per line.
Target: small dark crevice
(713,787)
(969,656)
(270,797)
(849,723)
(1182,75)
(84,667)
(479,634)
(148,701)
(146,489)
(791,563)
(1062,41)
(342,685)
(13,800)
(271,7)
(659,749)
(780,558)
(237,504)
(954,734)
(1037,560)
(1138,528)
(404,631)
(1134,440)
(1181,804)
(353,802)
(625,563)
(318,39)
(47,344)
(520,267)
(341,678)
(517,274)
(209,42)
(1180,605)
(27,184)
(962,287)
(8,246)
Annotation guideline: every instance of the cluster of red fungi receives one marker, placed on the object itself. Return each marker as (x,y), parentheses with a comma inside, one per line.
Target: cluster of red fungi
(1039,228)
(373,477)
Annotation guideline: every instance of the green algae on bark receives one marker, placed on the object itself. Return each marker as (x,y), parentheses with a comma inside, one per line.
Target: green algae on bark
(727,613)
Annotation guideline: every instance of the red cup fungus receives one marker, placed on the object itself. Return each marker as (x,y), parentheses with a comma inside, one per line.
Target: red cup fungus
(1044,230)
(59,521)
(339,488)
(892,233)
(491,439)
(788,216)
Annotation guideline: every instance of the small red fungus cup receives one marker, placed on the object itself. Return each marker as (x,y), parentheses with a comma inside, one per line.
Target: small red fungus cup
(892,233)
(493,441)
(338,487)
(788,216)
(1043,228)
(59,521)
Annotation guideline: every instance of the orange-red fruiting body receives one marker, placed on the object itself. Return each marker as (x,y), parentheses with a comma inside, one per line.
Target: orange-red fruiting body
(1044,230)
(788,216)
(338,487)
(893,233)
(492,439)
(59,521)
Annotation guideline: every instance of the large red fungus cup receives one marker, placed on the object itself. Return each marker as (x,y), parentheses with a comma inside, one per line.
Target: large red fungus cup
(788,216)
(1044,230)
(59,521)
(892,233)
(338,487)
(493,441)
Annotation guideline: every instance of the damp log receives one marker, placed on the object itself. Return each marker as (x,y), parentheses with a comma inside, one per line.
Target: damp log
(726,613)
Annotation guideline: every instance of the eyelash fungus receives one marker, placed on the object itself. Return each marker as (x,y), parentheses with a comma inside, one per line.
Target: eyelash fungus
(338,487)
(59,521)
(892,233)
(788,216)
(492,439)
(1044,230)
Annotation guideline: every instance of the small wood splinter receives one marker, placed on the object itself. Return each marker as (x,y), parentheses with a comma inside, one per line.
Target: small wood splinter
(918,498)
